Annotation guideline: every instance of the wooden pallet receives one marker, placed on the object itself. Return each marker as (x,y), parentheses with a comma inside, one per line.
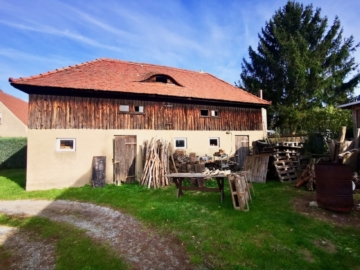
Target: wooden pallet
(240,191)
(287,164)
(283,155)
(287,170)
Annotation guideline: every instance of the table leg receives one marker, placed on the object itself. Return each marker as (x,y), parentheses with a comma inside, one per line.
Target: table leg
(175,180)
(220,182)
(178,183)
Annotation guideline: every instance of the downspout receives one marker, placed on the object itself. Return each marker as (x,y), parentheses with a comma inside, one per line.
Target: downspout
(263,116)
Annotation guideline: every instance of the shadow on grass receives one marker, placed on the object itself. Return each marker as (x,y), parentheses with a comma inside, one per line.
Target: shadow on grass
(16,176)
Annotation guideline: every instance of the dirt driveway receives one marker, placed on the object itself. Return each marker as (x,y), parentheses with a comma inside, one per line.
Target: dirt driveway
(141,247)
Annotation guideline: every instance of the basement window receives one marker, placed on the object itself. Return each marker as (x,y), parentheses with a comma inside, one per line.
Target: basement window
(139,109)
(214,142)
(65,145)
(204,112)
(124,108)
(180,143)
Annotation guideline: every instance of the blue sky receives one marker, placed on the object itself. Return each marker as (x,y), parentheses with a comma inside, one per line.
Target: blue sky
(210,35)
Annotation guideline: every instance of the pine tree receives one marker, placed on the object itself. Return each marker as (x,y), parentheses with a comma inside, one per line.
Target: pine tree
(301,62)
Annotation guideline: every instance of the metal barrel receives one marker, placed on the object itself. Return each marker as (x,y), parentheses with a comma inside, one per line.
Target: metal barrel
(334,187)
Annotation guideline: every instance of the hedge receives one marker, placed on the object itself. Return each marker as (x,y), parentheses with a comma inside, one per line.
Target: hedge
(13,152)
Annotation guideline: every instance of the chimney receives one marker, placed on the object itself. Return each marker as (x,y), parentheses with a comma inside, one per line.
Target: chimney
(260,94)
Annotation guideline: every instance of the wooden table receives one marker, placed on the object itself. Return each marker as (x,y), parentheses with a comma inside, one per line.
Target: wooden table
(178,179)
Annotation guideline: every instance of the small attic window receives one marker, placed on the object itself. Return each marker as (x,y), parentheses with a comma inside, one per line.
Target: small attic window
(214,113)
(161,79)
(124,108)
(204,112)
(139,109)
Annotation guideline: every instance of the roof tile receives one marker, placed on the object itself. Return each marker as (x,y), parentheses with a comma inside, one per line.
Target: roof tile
(16,106)
(127,77)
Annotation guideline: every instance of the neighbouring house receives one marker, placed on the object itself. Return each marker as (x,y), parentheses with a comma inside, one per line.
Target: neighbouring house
(110,107)
(13,116)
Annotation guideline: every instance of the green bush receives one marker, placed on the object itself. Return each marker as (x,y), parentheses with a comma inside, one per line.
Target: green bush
(13,152)
(314,120)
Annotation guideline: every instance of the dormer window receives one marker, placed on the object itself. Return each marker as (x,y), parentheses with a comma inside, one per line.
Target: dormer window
(161,79)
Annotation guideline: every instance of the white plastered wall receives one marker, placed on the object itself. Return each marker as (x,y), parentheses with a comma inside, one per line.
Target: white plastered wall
(47,168)
(10,125)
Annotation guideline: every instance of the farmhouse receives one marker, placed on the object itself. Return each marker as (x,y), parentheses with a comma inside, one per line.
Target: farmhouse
(13,116)
(109,107)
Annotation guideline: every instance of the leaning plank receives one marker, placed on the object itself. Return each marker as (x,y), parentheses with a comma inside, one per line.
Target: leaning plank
(257,167)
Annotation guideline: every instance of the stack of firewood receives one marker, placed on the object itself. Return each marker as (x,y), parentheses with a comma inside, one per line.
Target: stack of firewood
(156,166)
(307,177)
(183,163)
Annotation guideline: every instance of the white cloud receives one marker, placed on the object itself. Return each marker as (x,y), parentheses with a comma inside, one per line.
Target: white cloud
(212,35)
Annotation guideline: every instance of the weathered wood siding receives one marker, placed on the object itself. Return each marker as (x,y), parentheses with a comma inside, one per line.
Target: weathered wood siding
(69,112)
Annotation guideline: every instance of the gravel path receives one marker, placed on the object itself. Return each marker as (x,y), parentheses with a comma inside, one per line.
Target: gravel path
(143,248)
(27,250)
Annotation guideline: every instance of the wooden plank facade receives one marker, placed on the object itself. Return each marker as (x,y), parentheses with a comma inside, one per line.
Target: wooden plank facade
(71,112)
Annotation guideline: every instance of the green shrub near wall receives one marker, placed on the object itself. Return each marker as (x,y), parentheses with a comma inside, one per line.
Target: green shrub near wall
(13,152)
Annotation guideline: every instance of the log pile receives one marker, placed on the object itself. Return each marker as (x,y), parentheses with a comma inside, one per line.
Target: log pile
(184,163)
(156,165)
(307,177)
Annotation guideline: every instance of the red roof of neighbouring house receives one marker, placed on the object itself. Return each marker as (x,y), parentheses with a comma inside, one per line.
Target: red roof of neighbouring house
(16,106)
(129,77)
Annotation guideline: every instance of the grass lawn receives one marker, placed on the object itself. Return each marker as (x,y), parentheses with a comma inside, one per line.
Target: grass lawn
(272,235)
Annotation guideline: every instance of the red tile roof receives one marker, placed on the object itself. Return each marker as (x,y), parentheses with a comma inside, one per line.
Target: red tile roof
(16,106)
(128,77)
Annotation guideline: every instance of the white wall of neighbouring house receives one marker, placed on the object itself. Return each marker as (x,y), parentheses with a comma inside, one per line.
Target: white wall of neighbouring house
(10,125)
(49,168)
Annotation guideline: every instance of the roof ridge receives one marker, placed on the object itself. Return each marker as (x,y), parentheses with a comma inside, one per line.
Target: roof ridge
(149,64)
(23,79)
(55,71)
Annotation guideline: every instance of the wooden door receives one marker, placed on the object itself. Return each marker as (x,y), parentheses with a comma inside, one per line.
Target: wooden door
(124,158)
(241,150)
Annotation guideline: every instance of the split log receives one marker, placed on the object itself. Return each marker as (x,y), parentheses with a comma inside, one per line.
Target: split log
(172,158)
(307,177)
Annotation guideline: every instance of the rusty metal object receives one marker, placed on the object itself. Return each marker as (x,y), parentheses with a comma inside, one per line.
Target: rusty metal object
(334,187)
